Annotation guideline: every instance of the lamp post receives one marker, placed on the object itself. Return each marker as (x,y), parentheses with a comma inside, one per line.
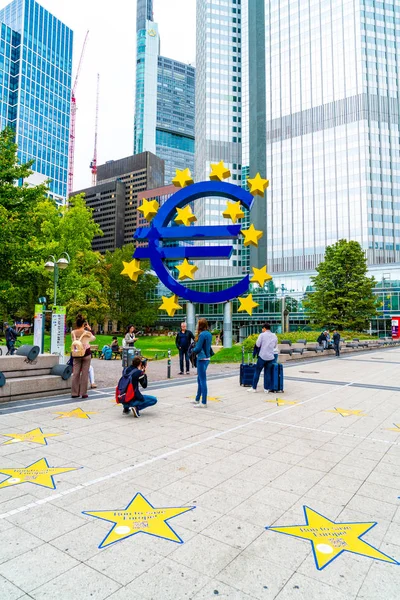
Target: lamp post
(53,265)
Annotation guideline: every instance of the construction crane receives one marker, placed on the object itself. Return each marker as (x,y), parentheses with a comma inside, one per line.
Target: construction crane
(93,164)
(71,149)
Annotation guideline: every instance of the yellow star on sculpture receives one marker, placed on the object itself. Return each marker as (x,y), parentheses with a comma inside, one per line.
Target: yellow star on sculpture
(233,211)
(35,436)
(170,305)
(344,412)
(185,216)
(281,402)
(260,276)
(183,178)
(330,539)
(149,208)
(132,269)
(395,428)
(139,517)
(77,413)
(186,270)
(38,473)
(258,185)
(219,172)
(251,235)
(247,304)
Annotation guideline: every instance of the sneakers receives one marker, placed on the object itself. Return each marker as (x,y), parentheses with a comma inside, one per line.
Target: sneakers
(135,412)
(181,373)
(126,411)
(85,396)
(251,391)
(196,402)
(187,372)
(93,386)
(266,391)
(199,405)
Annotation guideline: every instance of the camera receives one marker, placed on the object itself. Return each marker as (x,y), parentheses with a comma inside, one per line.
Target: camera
(144,362)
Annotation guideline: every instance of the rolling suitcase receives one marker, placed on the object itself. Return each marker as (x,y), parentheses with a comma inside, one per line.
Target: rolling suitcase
(246,372)
(273,378)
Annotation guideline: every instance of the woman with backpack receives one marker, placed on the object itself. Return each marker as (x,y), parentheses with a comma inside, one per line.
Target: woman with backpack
(203,353)
(81,353)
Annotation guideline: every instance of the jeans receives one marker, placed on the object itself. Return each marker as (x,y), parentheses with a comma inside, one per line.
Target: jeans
(337,349)
(183,354)
(202,366)
(148,401)
(10,347)
(260,365)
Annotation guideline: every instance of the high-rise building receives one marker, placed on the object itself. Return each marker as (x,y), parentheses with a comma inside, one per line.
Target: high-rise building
(114,199)
(165,99)
(35,88)
(331,117)
(219,115)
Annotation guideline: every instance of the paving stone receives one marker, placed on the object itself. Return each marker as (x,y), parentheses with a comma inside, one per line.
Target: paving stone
(79,583)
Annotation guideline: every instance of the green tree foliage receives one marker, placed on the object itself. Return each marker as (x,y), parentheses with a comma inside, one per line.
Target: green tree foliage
(128,301)
(343,297)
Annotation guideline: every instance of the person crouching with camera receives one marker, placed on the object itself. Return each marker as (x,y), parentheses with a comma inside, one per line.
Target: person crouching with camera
(137,375)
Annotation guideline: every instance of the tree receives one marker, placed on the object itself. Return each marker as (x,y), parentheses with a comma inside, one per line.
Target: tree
(129,301)
(343,296)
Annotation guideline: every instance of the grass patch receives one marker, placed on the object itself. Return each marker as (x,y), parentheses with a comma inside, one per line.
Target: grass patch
(228,355)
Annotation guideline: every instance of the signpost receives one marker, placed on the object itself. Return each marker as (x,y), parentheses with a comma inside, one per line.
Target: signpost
(58,332)
(38,327)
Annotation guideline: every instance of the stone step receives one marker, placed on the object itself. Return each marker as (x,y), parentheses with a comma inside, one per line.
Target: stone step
(18,364)
(21,388)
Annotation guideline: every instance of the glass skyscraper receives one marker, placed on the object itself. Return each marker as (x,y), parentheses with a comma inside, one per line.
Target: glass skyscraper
(164,108)
(35,88)
(332,93)
(219,114)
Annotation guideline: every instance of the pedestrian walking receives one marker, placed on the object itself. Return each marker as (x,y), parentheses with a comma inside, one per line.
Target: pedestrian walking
(336,342)
(81,353)
(11,336)
(204,352)
(182,341)
(266,345)
(137,375)
(129,339)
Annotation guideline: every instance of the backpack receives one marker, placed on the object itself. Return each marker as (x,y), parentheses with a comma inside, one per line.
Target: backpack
(124,392)
(107,353)
(77,349)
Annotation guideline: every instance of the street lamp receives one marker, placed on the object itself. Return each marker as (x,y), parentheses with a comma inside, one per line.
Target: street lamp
(53,265)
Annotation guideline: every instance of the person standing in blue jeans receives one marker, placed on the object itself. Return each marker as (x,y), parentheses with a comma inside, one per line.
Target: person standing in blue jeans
(203,352)
(266,343)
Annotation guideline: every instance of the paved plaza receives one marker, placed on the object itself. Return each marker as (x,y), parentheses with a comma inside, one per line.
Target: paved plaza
(260,496)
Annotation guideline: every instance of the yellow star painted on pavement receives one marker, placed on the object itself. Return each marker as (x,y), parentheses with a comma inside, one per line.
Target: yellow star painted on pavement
(260,276)
(186,270)
(185,216)
(247,304)
(330,539)
(35,436)
(183,178)
(170,305)
(281,402)
(77,413)
(139,517)
(251,236)
(258,185)
(132,269)
(344,412)
(219,172)
(395,428)
(233,211)
(38,473)
(149,208)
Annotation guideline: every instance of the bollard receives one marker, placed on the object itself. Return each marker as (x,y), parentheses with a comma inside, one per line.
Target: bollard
(169,365)
(242,355)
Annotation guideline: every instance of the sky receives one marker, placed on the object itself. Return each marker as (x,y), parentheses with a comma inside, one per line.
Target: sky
(110,51)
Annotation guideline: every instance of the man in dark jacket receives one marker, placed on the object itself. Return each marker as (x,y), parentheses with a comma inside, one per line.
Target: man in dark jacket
(322,340)
(137,374)
(11,336)
(336,342)
(182,341)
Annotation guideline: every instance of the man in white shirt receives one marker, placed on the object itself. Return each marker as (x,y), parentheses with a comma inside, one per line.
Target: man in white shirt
(267,343)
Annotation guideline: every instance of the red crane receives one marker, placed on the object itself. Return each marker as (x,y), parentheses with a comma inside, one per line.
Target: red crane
(93,164)
(71,149)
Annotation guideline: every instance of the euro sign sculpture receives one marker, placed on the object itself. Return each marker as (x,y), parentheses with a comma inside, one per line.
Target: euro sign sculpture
(159,232)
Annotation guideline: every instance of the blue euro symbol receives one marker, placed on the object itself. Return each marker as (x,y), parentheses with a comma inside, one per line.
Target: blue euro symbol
(159,232)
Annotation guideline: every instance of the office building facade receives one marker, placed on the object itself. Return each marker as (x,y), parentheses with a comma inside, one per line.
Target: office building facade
(35,90)
(218,130)
(165,98)
(114,199)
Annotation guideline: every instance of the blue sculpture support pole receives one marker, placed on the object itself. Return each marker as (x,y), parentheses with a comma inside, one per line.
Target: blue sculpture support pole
(190,317)
(228,325)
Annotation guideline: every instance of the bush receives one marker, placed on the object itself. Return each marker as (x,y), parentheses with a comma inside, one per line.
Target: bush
(310,336)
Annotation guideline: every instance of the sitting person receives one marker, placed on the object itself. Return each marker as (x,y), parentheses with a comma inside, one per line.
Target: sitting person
(137,373)
(114,344)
